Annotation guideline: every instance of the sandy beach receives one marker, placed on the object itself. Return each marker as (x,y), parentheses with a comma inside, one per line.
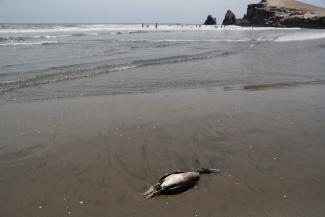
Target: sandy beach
(93,156)
(91,115)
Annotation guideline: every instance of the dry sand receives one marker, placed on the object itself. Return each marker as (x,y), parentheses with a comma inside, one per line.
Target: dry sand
(94,156)
(298,5)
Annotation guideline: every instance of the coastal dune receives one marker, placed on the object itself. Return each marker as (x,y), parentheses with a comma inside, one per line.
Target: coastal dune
(297,5)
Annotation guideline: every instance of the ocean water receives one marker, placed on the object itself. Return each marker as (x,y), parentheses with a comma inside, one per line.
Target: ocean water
(47,61)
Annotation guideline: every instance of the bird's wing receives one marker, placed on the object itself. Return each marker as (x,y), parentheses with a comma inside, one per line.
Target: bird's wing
(162,178)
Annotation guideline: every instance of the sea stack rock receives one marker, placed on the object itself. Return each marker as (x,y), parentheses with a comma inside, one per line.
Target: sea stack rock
(210,20)
(230,18)
(285,13)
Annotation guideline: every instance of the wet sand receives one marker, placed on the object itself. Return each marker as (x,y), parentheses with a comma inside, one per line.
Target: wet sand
(93,156)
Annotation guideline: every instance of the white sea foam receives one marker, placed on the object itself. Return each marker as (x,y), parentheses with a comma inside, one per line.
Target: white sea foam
(301,36)
(190,40)
(95,28)
(44,36)
(26,43)
(241,28)
(19,35)
(50,36)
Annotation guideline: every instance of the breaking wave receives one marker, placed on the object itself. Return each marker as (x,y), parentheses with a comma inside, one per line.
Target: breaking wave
(130,28)
(25,41)
(13,43)
(48,34)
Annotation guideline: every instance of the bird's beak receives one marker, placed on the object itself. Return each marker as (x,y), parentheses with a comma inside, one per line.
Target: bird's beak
(215,170)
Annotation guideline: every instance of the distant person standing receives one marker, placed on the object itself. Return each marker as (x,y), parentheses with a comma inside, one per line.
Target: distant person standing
(156,25)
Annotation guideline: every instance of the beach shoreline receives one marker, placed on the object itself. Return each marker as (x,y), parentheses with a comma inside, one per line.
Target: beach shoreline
(93,156)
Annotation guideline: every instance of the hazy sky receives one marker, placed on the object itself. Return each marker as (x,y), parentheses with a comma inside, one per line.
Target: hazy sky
(121,11)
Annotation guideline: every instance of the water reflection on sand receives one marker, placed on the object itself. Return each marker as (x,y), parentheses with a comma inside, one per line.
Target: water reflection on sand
(94,156)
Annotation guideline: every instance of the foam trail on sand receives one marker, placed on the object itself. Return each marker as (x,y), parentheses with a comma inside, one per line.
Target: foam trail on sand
(301,36)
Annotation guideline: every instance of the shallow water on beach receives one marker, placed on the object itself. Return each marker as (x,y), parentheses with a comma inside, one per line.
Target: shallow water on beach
(40,62)
(92,115)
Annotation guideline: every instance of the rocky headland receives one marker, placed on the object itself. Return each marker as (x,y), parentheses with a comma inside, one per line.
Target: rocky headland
(279,13)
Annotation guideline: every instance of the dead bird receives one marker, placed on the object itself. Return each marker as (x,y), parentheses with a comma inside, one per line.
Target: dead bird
(176,182)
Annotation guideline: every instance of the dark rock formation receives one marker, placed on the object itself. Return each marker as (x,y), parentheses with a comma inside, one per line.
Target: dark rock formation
(230,18)
(210,20)
(242,22)
(279,14)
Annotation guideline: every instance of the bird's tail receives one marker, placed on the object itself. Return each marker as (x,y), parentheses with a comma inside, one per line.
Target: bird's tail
(153,191)
(208,171)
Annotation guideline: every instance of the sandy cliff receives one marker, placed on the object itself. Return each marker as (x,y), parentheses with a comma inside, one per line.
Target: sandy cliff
(283,13)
